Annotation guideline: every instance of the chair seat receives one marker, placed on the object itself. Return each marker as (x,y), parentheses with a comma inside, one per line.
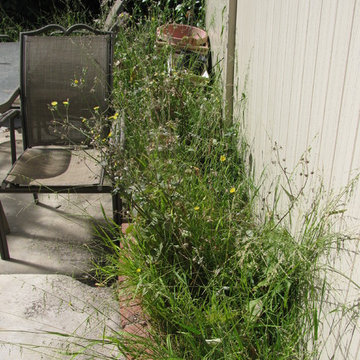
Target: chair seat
(49,166)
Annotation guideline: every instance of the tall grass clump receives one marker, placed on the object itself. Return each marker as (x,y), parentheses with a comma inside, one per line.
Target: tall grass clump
(217,276)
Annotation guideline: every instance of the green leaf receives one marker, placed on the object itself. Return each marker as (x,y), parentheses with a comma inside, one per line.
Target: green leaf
(189,328)
(290,196)
(316,324)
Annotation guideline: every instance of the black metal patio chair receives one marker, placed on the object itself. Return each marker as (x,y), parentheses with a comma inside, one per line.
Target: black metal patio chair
(65,74)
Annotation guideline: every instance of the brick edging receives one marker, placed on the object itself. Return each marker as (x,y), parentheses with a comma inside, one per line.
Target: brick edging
(132,319)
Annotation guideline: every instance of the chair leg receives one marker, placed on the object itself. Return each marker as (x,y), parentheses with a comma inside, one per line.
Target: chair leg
(36,198)
(4,227)
(117,209)
(4,222)
(4,250)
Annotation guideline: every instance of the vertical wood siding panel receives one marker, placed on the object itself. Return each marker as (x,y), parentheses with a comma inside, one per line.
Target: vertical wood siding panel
(343,168)
(308,74)
(341,162)
(240,59)
(321,63)
(243,53)
(332,108)
(260,116)
(303,91)
(254,85)
(287,69)
(283,41)
(296,83)
(353,91)
(216,25)
(266,128)
(354,167)
(319,92)
(271,87)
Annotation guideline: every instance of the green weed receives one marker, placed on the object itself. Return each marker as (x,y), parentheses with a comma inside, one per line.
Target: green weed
(218,277)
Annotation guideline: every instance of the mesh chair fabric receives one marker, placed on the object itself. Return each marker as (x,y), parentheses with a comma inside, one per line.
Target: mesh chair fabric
(56,166)
(61,68)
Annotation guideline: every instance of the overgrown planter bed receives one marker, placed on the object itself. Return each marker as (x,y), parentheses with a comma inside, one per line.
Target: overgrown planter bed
(219,274)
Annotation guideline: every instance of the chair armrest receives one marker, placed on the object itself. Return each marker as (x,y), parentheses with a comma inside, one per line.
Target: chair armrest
(4,37)
(6,105)
(10,117)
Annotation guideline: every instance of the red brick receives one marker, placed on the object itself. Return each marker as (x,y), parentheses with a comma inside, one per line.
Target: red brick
(121,280)
(131,315)
(137,329)
(133,320)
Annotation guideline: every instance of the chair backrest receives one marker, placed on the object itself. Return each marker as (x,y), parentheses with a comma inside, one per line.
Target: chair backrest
(72,66)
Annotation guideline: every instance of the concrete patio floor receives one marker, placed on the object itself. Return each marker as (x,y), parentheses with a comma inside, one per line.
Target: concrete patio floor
(55,236)
(40,291)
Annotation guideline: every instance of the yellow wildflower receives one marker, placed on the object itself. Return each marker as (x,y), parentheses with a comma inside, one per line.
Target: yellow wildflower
(196,208)
(65,103)
(83,119)
(96,108)
(115,116)
(76,81)
(138,270)
(232,190)
(54,103)
(222,158)
(110,133)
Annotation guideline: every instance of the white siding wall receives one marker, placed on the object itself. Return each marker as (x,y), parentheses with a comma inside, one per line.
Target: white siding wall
(217,24)
(298,62)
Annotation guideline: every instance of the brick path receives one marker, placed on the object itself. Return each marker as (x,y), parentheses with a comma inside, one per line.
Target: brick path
(132,318)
